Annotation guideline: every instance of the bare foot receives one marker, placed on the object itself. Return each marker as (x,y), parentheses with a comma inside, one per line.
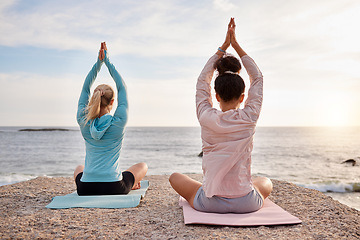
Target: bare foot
(136,186)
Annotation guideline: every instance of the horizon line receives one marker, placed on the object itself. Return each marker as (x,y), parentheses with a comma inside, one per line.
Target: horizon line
(159,126)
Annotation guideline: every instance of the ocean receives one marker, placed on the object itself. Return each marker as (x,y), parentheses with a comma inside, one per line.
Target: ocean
(307,156)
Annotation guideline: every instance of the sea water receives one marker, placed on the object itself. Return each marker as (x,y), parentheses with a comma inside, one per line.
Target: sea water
(307,156)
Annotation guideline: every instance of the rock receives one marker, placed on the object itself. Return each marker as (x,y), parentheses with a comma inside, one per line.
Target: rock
(350,161)
(356,187)
(43,129)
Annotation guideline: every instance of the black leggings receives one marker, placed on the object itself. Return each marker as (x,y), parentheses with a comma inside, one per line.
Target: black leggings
(105,188)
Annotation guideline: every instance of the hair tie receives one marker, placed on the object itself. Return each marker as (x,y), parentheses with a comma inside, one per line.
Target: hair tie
(102,92)
(230,72)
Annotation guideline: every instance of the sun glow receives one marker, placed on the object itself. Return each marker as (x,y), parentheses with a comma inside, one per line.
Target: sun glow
(336,113)
(336,118)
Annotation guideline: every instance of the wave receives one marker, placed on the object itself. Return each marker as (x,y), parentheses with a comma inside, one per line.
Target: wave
(338,187)
(10,178)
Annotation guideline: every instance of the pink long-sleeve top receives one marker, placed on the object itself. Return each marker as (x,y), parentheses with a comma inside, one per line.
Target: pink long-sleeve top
(227,137)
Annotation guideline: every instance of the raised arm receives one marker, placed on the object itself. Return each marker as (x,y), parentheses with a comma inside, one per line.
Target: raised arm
(253,102)
(203,89)
(233,40)
(121,112)
(85,92)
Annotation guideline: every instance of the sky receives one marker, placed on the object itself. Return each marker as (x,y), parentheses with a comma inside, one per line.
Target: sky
(308,52)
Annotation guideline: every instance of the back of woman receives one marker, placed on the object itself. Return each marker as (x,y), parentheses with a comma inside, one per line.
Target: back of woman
(103,143)
(227,136)
(103,134)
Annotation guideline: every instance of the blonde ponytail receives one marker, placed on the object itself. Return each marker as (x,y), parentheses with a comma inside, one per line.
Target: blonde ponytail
(103,94)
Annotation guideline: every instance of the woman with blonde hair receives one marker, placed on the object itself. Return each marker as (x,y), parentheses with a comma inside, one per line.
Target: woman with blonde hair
(103,135)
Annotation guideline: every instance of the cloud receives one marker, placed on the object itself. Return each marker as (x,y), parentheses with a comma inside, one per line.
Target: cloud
(304,48)
(224,5)
(166,27)
(170,28)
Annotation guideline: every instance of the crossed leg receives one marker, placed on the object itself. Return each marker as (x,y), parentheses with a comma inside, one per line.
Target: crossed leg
(185,186)
(263,185)
(138,170)
(78,169)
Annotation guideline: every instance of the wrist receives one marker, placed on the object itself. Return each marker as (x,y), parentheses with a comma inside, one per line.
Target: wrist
(221,49)
(106,56)
(225,46)
(235,43)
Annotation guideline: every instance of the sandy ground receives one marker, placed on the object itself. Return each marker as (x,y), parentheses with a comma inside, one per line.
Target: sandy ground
(23,215)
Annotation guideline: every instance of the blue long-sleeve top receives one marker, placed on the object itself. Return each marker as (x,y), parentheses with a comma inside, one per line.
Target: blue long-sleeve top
(103,136)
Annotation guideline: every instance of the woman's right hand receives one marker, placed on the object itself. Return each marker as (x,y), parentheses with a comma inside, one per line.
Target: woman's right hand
(233,40)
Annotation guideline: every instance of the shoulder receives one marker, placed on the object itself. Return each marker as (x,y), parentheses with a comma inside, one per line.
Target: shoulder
(216,119)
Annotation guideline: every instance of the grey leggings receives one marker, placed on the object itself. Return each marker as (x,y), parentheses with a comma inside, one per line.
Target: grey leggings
(246,204)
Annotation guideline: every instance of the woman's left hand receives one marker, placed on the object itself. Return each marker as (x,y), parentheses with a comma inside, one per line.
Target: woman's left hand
(101,54)
(103,48)
(226,43)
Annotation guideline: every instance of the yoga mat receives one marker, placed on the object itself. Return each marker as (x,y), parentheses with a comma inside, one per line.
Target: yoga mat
(73,200)
(269,214)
